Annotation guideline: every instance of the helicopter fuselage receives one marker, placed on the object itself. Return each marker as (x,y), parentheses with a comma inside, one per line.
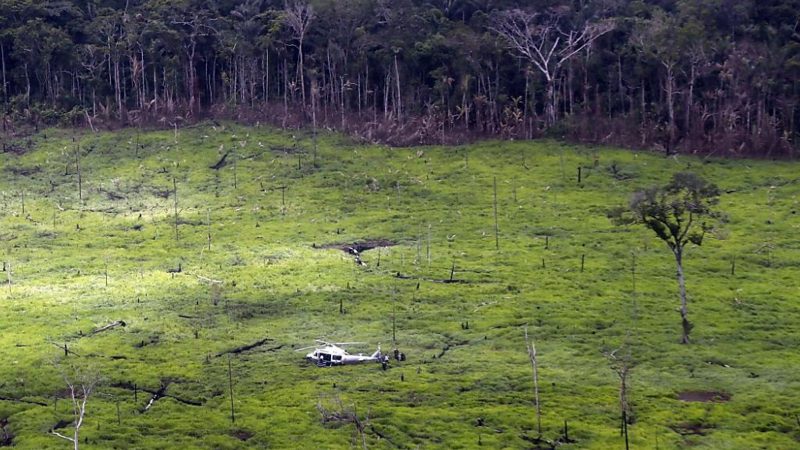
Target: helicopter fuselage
(332,355)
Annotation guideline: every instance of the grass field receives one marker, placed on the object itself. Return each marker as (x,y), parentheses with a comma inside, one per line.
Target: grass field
(77,265)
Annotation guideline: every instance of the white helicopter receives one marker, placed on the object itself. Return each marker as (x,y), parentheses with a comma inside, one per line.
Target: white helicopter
(332,354)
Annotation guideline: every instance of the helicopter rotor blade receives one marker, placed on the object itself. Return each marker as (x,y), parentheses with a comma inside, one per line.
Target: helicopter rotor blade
(305,348)
(322,342)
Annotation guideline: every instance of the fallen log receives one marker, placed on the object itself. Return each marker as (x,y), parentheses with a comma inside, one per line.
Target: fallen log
(221,163)
(245,348)
(162,393)
(156,395)
(21,400)
(117,323)
(432,280)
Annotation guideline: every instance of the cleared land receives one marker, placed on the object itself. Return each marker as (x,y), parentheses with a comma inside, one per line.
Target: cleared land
(562,268)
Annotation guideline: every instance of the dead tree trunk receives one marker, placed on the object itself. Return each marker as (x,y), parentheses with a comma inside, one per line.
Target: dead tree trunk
(78,170)
(175,195)
(531,346)
(686,325)
(496,228)
(670,93)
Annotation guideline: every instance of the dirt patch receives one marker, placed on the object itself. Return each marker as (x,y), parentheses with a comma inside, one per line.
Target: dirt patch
(111,195)
(151,340)
(242,435)
(14,148)
(6,437)
(704,396)
(25,171)
(61,424)
(62,393)
(359,247)
(161,193)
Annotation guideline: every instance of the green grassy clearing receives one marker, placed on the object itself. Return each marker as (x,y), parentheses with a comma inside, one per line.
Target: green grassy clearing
(436,204)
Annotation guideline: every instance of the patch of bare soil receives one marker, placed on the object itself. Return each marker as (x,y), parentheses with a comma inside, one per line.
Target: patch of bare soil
(242,435)
(24,171)
(359,247)
(61,424)
(16,148)
(704,396)
(6,437)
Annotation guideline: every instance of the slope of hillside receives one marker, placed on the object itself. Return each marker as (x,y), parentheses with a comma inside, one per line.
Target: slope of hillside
(250,248)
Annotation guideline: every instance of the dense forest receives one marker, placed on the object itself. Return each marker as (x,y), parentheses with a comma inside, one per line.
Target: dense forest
(713,76)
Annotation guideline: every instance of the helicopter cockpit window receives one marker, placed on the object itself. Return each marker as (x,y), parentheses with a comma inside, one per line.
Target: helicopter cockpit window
(325,356)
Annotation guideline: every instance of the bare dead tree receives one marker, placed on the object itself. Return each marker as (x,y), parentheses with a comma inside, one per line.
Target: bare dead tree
(655,38)
(208,224)
(196,26)
(7,267)
(230,386)
(175,197)
(298,16)
(5,83)
(339,413)
(314,101)
(78,171)
(621,364)
(547,42)
(496,229)
(81,385)
(531,346)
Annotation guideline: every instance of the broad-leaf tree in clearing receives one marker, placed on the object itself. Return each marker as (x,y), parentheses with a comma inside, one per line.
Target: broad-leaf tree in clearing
(679,213)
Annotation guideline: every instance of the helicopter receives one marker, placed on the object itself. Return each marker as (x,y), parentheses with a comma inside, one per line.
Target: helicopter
(328,354)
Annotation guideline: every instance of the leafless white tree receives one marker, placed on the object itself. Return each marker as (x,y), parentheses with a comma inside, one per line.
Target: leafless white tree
(81,384)
(546,41)
(298,16)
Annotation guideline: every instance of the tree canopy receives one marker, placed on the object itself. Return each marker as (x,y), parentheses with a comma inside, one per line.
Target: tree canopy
(681,212)
(689,75)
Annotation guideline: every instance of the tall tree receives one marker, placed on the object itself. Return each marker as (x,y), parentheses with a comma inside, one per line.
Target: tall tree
(298,16)
(658,38)
(679,213)
(547,41)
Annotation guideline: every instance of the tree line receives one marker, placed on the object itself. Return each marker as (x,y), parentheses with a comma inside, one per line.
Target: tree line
(716,76)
